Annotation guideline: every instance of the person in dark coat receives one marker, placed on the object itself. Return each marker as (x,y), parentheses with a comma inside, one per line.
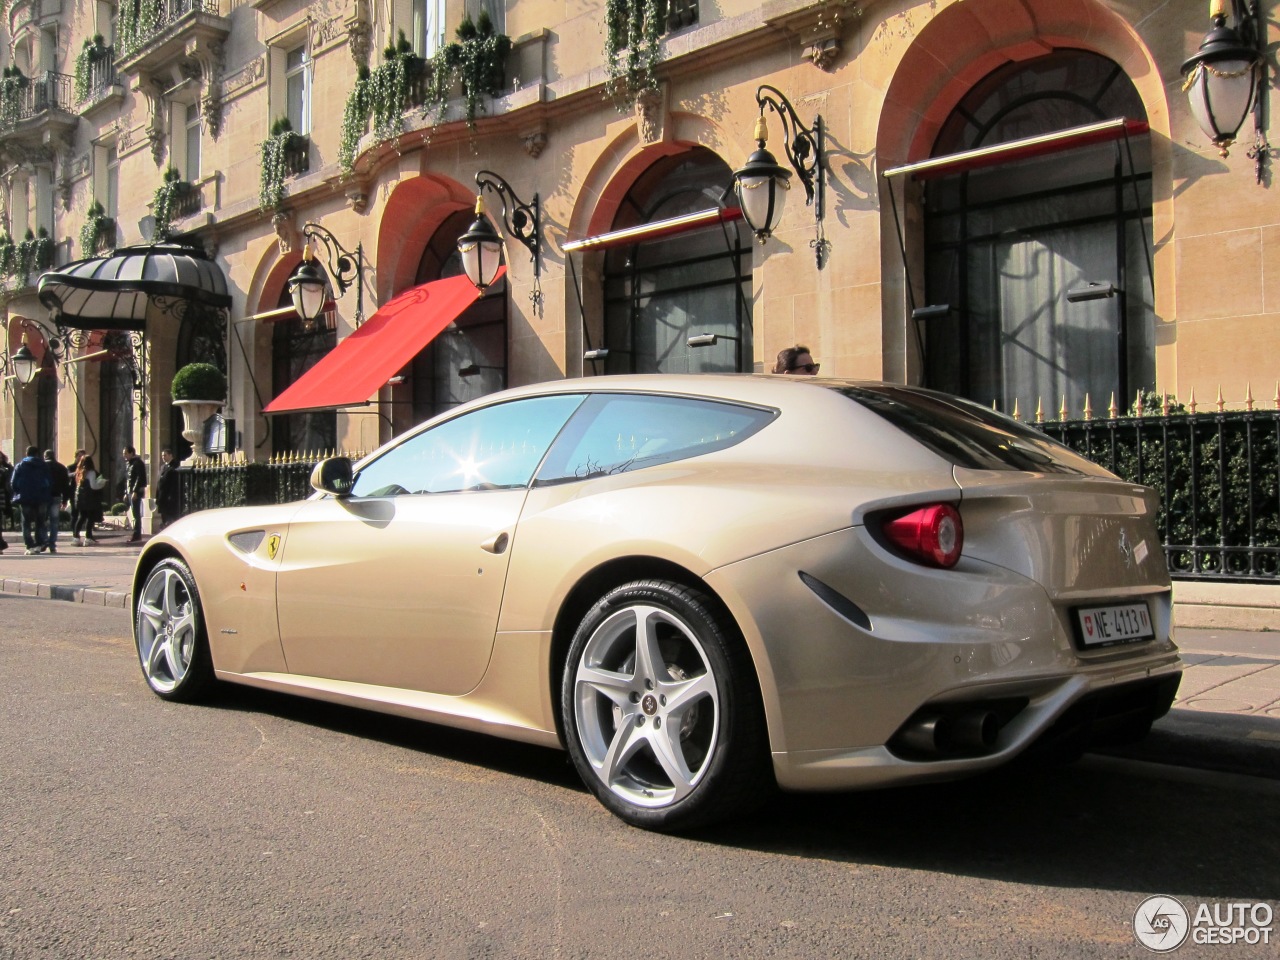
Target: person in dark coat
(31,493)
(88,510)
(167,493)
(6,497)
(135,486)
(59,497)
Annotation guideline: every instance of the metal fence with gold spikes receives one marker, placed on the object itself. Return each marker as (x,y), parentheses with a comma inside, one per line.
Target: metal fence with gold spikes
(1216,467)
(233,480)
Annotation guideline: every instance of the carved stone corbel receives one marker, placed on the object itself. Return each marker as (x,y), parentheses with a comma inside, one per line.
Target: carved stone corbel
(286,231)
(535,141)
(651,115)
(358,197)
(820,27)
(359,33)
(152,89)
(204,60)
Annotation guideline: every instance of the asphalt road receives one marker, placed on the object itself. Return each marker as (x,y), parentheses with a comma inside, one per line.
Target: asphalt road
(261,826)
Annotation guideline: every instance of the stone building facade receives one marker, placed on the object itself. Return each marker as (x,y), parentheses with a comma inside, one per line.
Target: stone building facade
(616,116)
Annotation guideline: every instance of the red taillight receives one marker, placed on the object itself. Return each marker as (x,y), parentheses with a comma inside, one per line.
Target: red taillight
(932,535)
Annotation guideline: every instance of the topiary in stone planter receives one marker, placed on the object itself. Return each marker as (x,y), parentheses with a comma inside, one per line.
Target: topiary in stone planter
(198,390)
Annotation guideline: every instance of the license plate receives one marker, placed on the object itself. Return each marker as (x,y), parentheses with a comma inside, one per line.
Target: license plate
(1117,623)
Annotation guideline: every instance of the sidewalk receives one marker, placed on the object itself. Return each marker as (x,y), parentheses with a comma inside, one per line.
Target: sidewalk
(1226,717)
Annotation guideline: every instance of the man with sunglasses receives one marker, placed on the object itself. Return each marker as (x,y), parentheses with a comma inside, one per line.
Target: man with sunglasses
(797,361)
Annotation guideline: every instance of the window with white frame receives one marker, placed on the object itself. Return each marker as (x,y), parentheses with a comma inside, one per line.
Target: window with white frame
(185,126)
(428,29)
(297,89)
(106,178)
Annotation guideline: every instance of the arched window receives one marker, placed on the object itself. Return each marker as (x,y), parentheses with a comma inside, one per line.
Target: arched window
(294,351)
(469,358)
(1005,244)
(659,293)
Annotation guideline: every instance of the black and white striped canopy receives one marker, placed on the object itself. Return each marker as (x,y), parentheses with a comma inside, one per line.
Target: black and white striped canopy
(114,292)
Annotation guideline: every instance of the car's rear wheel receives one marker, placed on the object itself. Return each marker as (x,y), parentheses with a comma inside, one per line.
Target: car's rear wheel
(170,634)
(661,709)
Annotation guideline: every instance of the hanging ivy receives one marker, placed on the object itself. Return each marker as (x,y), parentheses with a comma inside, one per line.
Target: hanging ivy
(138,21)
(12,83)
(97,226)
(477,60)
(380,95)
(8,258)
(633,47)
(92,52)
(275,155)
(19,260)
(165,200)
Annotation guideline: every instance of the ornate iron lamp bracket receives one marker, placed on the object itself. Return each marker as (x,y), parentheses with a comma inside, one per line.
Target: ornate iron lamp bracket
(345,268)
(805,147)
(522,220)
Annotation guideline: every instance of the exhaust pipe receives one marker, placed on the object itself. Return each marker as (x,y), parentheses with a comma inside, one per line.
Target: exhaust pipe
(950,734)
(975,731)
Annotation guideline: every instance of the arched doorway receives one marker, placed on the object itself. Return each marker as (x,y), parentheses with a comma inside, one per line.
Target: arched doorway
(1006,244)
(469,358)
(659,293)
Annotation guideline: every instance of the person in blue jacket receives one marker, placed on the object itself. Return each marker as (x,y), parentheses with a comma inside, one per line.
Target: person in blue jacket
(32,491)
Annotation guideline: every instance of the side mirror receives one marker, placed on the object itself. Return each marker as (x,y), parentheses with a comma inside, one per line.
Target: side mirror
(333,476)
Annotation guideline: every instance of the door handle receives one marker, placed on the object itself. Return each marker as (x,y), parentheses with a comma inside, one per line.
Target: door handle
(497,543)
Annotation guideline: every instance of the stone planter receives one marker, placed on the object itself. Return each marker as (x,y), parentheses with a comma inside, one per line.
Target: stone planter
(194,414)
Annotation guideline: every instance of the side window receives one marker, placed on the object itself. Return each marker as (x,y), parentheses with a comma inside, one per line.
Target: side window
(614,433)
(496,448)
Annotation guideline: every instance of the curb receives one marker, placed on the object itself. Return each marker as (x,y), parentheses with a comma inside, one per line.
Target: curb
(71,592)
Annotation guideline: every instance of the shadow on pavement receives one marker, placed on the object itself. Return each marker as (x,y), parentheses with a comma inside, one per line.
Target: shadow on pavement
(1100,823)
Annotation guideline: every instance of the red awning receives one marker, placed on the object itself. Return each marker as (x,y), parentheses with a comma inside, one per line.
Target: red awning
(1070,139)
(358,367)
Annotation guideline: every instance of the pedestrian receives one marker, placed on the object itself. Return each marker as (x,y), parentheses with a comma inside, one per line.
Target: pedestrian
(6,497)
(89,487)
(167,492)
(135,485)
(797,361)
(31,494)
(59,497)
(72,466)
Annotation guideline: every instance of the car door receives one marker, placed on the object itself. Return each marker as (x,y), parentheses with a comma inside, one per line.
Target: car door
(401,583)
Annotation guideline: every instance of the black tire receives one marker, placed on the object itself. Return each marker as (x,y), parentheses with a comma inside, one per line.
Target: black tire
(169,634)
(712,760)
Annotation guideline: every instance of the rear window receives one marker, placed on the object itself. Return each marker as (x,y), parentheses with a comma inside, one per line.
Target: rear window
(968,434)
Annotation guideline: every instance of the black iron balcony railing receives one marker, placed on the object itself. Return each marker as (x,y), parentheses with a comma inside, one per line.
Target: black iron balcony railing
(38,95)
(188,202)
(297,156)
(151,18)
(102,79)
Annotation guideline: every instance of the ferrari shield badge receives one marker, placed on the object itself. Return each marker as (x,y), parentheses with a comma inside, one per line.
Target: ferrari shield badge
(273,546)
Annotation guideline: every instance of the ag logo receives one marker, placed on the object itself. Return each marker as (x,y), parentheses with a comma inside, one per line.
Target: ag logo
(1161,923)
(273,546)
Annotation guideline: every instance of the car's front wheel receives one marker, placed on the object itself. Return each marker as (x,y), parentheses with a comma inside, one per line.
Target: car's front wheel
(170,633)
(661,709)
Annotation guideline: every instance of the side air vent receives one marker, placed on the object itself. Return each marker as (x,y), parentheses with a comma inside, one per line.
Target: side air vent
(248,541)
(837,601)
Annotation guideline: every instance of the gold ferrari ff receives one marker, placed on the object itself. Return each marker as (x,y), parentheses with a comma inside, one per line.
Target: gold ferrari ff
(699,586)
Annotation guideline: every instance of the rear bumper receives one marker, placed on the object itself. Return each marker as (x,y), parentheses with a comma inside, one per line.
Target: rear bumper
(843,668)
(1067,713)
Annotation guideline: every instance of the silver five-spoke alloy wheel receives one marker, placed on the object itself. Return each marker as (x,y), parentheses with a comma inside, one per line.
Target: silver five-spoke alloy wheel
(168,631)
(646,705)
